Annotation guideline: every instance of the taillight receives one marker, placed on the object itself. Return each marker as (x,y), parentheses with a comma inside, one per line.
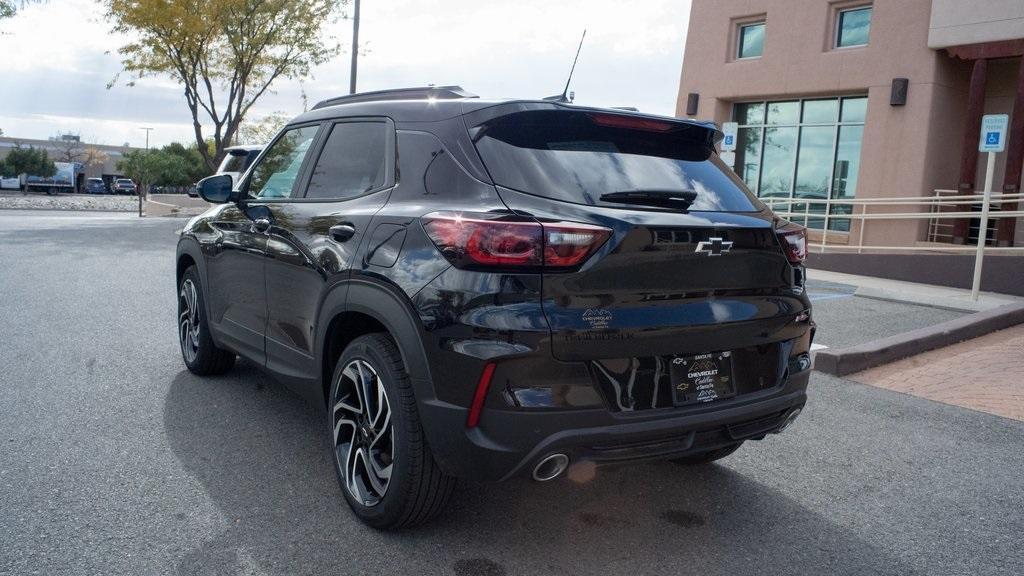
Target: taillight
(794,241)
(474,241)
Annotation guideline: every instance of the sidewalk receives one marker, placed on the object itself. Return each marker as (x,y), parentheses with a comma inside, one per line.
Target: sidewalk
(985,374)
(913,293)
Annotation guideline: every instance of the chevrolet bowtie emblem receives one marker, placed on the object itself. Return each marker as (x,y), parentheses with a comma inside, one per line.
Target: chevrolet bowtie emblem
(714,246)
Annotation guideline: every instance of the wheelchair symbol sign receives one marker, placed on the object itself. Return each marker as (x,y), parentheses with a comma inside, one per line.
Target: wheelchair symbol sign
(993,133)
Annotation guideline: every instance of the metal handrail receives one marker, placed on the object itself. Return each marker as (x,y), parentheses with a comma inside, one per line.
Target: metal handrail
(938,209)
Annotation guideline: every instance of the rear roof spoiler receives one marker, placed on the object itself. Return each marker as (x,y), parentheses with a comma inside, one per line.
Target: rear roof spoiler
(421,93)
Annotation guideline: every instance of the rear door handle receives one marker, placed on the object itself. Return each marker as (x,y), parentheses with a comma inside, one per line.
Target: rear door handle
(260,225)
(342,232)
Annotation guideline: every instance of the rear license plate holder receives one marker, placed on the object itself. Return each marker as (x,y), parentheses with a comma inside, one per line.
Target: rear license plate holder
(702,378)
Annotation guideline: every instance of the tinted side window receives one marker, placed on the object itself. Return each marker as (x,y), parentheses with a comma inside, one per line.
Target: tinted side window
(276,172)
(352,161)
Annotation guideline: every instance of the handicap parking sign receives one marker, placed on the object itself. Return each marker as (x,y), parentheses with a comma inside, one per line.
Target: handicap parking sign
(729,136)
(993,133)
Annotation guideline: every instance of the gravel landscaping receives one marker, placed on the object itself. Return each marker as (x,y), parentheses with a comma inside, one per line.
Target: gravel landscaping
(69,202)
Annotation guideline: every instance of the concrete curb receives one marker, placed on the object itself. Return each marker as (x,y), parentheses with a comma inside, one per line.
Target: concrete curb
(843,361)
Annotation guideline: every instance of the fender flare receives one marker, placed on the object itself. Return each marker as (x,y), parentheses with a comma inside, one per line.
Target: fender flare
(188,245)
(386,304)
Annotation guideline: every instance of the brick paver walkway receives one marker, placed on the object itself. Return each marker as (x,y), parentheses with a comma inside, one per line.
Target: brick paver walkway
(985,374)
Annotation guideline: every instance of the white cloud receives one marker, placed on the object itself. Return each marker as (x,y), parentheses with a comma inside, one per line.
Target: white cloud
(632,57)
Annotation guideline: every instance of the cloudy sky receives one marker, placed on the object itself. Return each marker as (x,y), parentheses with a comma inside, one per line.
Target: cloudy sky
(57,59)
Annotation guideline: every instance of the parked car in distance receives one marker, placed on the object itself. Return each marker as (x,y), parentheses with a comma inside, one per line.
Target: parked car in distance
(491,289)
(95,186)
(237,160)
(124,186)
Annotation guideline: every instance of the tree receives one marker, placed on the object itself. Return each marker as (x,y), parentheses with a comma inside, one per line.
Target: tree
(32,161)
(9,8)
(193,167)
(226,54)
(263,130)
(94,157)
(68,149)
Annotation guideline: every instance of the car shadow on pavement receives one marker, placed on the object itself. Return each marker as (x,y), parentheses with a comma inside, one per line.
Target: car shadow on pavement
(262,456)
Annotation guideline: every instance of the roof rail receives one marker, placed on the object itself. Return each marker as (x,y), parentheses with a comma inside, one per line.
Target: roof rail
(422,93)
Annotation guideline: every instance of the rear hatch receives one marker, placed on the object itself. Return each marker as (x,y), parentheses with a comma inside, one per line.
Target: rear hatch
(693,263)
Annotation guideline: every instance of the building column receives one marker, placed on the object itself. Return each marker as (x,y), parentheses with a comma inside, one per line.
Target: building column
(1014,162)
(969,144)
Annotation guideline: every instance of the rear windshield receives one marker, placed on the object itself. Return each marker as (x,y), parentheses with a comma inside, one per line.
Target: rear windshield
(235,161)
(567,155)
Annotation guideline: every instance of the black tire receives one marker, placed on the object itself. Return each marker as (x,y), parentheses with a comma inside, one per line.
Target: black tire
(415,489)
(709,456)
(200,354)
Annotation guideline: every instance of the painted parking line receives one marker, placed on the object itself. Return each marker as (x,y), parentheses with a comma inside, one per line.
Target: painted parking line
(816,347)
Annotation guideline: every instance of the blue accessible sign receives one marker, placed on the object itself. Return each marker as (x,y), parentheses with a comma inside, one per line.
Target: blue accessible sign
(993,133)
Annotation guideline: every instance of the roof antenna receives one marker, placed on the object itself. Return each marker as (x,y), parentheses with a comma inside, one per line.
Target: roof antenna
(564,97)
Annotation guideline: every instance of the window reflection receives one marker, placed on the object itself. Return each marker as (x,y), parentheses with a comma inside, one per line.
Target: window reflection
(275,174)
(779,154)
(751,41)
(853,27)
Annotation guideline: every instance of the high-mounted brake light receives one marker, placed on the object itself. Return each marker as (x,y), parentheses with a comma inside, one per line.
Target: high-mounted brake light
(477,241)
(631,122)
(794,241)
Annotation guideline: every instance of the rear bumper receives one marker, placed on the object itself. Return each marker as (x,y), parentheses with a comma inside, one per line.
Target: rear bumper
(509,443)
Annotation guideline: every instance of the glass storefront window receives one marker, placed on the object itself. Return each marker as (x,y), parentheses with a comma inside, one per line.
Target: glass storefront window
(783,112)
(748,155)
(750,113)
(802,149)
(821,111)
(777,168)
(854,109)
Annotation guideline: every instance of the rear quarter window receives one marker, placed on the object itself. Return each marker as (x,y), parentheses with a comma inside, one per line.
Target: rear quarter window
(567,156)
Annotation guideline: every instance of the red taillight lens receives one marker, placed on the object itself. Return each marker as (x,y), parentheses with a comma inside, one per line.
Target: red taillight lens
(794,242)
(470,241)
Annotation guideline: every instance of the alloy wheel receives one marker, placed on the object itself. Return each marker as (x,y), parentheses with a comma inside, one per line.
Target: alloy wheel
(188,320)
(363,433)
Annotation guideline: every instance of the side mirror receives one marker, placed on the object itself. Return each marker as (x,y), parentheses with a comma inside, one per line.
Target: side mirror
(217,188)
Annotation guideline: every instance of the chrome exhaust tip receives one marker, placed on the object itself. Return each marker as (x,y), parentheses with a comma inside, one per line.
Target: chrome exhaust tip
(550,467)
(789,420)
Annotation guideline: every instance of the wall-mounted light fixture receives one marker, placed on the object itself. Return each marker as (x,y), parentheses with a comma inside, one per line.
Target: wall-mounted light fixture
(691,103)
(898,95)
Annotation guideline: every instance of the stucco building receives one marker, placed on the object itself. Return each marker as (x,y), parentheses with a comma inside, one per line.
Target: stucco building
(860,99)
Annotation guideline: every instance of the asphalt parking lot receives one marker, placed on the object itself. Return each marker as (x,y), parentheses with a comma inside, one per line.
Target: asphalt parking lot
(115,460)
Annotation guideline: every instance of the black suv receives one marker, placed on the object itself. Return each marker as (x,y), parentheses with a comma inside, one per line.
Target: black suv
(486,289)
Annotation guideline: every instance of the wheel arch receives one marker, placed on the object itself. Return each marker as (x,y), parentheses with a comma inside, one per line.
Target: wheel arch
(366,307)
(189,254)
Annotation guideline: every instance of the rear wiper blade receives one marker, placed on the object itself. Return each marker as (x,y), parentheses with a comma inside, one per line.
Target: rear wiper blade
(680,199)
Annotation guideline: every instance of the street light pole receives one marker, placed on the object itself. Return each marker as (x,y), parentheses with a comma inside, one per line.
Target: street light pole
(355,50)
(139,190)
(148,130)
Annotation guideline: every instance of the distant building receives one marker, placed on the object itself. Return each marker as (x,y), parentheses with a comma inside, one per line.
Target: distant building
(57,147)
(860,99)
